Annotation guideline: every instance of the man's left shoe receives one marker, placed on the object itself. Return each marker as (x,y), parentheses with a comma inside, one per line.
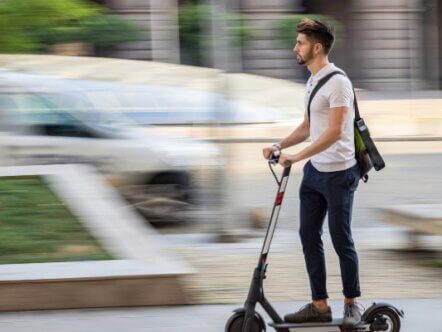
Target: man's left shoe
(352,314)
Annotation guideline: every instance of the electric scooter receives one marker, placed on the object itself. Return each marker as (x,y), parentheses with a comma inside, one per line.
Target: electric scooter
(378,317)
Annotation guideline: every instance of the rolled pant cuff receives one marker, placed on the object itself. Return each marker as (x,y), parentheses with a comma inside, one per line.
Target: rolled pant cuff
(320,297)
(353,295)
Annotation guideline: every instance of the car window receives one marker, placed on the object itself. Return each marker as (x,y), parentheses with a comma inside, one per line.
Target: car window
(42,115)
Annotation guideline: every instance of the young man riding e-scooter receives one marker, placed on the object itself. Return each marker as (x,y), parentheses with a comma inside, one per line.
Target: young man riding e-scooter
(331,175)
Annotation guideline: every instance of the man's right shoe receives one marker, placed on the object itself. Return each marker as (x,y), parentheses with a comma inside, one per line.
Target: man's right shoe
(352,314)
(309,314)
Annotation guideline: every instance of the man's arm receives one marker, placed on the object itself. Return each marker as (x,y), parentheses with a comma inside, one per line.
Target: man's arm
(300,134)
(337,119)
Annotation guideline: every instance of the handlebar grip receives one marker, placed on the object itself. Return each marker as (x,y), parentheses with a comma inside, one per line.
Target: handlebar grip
(274,157)
(275,154)
(288,163)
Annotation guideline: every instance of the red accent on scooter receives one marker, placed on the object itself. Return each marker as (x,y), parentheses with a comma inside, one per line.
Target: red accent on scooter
(281,195)
(279,201)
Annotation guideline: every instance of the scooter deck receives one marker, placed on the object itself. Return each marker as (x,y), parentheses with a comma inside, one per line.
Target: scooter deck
(333,326)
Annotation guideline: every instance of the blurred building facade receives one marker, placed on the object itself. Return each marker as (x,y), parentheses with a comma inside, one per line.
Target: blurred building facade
(158,21)
(388,44)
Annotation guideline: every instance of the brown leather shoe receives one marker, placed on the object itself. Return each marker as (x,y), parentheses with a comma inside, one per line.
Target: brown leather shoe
(309,314)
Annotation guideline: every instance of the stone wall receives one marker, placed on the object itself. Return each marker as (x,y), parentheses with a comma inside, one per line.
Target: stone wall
(265,54)
(388,44)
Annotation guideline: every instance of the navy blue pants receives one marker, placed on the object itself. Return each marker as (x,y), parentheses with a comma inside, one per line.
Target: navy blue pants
(332,193)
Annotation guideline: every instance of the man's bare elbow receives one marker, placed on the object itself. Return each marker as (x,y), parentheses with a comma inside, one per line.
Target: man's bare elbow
(306,132)
(306,127)
(337,133)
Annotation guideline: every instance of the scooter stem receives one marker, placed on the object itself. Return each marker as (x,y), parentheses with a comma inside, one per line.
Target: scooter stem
(256,291)
(282,184)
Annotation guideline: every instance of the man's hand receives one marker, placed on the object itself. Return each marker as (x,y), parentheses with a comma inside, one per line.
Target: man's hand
(267,151)
(287,157)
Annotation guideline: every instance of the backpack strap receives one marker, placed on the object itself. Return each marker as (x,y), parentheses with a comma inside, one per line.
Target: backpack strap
(321,82)
(355,102)
(325,80)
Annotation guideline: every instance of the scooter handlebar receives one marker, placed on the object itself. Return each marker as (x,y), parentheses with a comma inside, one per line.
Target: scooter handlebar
(274,158)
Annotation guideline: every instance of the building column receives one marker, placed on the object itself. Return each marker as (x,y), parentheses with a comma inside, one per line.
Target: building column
(158,23)
(165,31)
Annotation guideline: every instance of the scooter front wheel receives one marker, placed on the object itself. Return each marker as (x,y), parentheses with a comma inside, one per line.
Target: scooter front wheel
(235,323)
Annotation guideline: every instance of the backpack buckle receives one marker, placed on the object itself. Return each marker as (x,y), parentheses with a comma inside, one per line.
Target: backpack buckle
(361,125)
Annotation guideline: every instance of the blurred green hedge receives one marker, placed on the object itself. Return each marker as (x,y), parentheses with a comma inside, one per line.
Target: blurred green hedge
(32,26)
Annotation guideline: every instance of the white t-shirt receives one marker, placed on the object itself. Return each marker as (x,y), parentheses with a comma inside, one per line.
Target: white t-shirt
(337,92)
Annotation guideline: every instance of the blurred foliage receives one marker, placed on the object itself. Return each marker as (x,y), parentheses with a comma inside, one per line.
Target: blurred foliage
(435,263)
(195,30)
(31,26)
(286,27)
(106,30)
(35,226)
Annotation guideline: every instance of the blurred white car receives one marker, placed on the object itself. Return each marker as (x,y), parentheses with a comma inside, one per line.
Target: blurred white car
(160,175)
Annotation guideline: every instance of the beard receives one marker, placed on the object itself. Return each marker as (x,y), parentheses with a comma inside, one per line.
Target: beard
(303,60)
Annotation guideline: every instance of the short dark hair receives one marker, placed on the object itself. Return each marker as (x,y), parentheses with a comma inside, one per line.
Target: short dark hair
(318,32)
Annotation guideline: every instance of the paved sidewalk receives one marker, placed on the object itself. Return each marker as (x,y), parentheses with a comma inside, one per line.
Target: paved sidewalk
(224,269)
(420,315)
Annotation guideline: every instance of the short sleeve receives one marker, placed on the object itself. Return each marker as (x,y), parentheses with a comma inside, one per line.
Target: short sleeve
(341,92)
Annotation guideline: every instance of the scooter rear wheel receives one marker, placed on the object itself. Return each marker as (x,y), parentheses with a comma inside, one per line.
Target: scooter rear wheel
(235,322)
(391,318)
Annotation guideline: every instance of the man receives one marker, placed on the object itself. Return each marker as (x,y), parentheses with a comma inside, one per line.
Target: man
(330,177)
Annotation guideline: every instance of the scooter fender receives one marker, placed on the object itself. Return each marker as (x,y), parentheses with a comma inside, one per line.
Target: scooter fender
(375,306)
(257,315)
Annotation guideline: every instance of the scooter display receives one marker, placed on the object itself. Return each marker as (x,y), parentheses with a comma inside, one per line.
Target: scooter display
(377,317)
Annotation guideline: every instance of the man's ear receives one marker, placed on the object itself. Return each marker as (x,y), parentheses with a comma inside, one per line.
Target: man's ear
(317,48)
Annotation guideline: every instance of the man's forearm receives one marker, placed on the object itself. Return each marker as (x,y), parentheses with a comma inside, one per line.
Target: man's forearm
(299,135)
